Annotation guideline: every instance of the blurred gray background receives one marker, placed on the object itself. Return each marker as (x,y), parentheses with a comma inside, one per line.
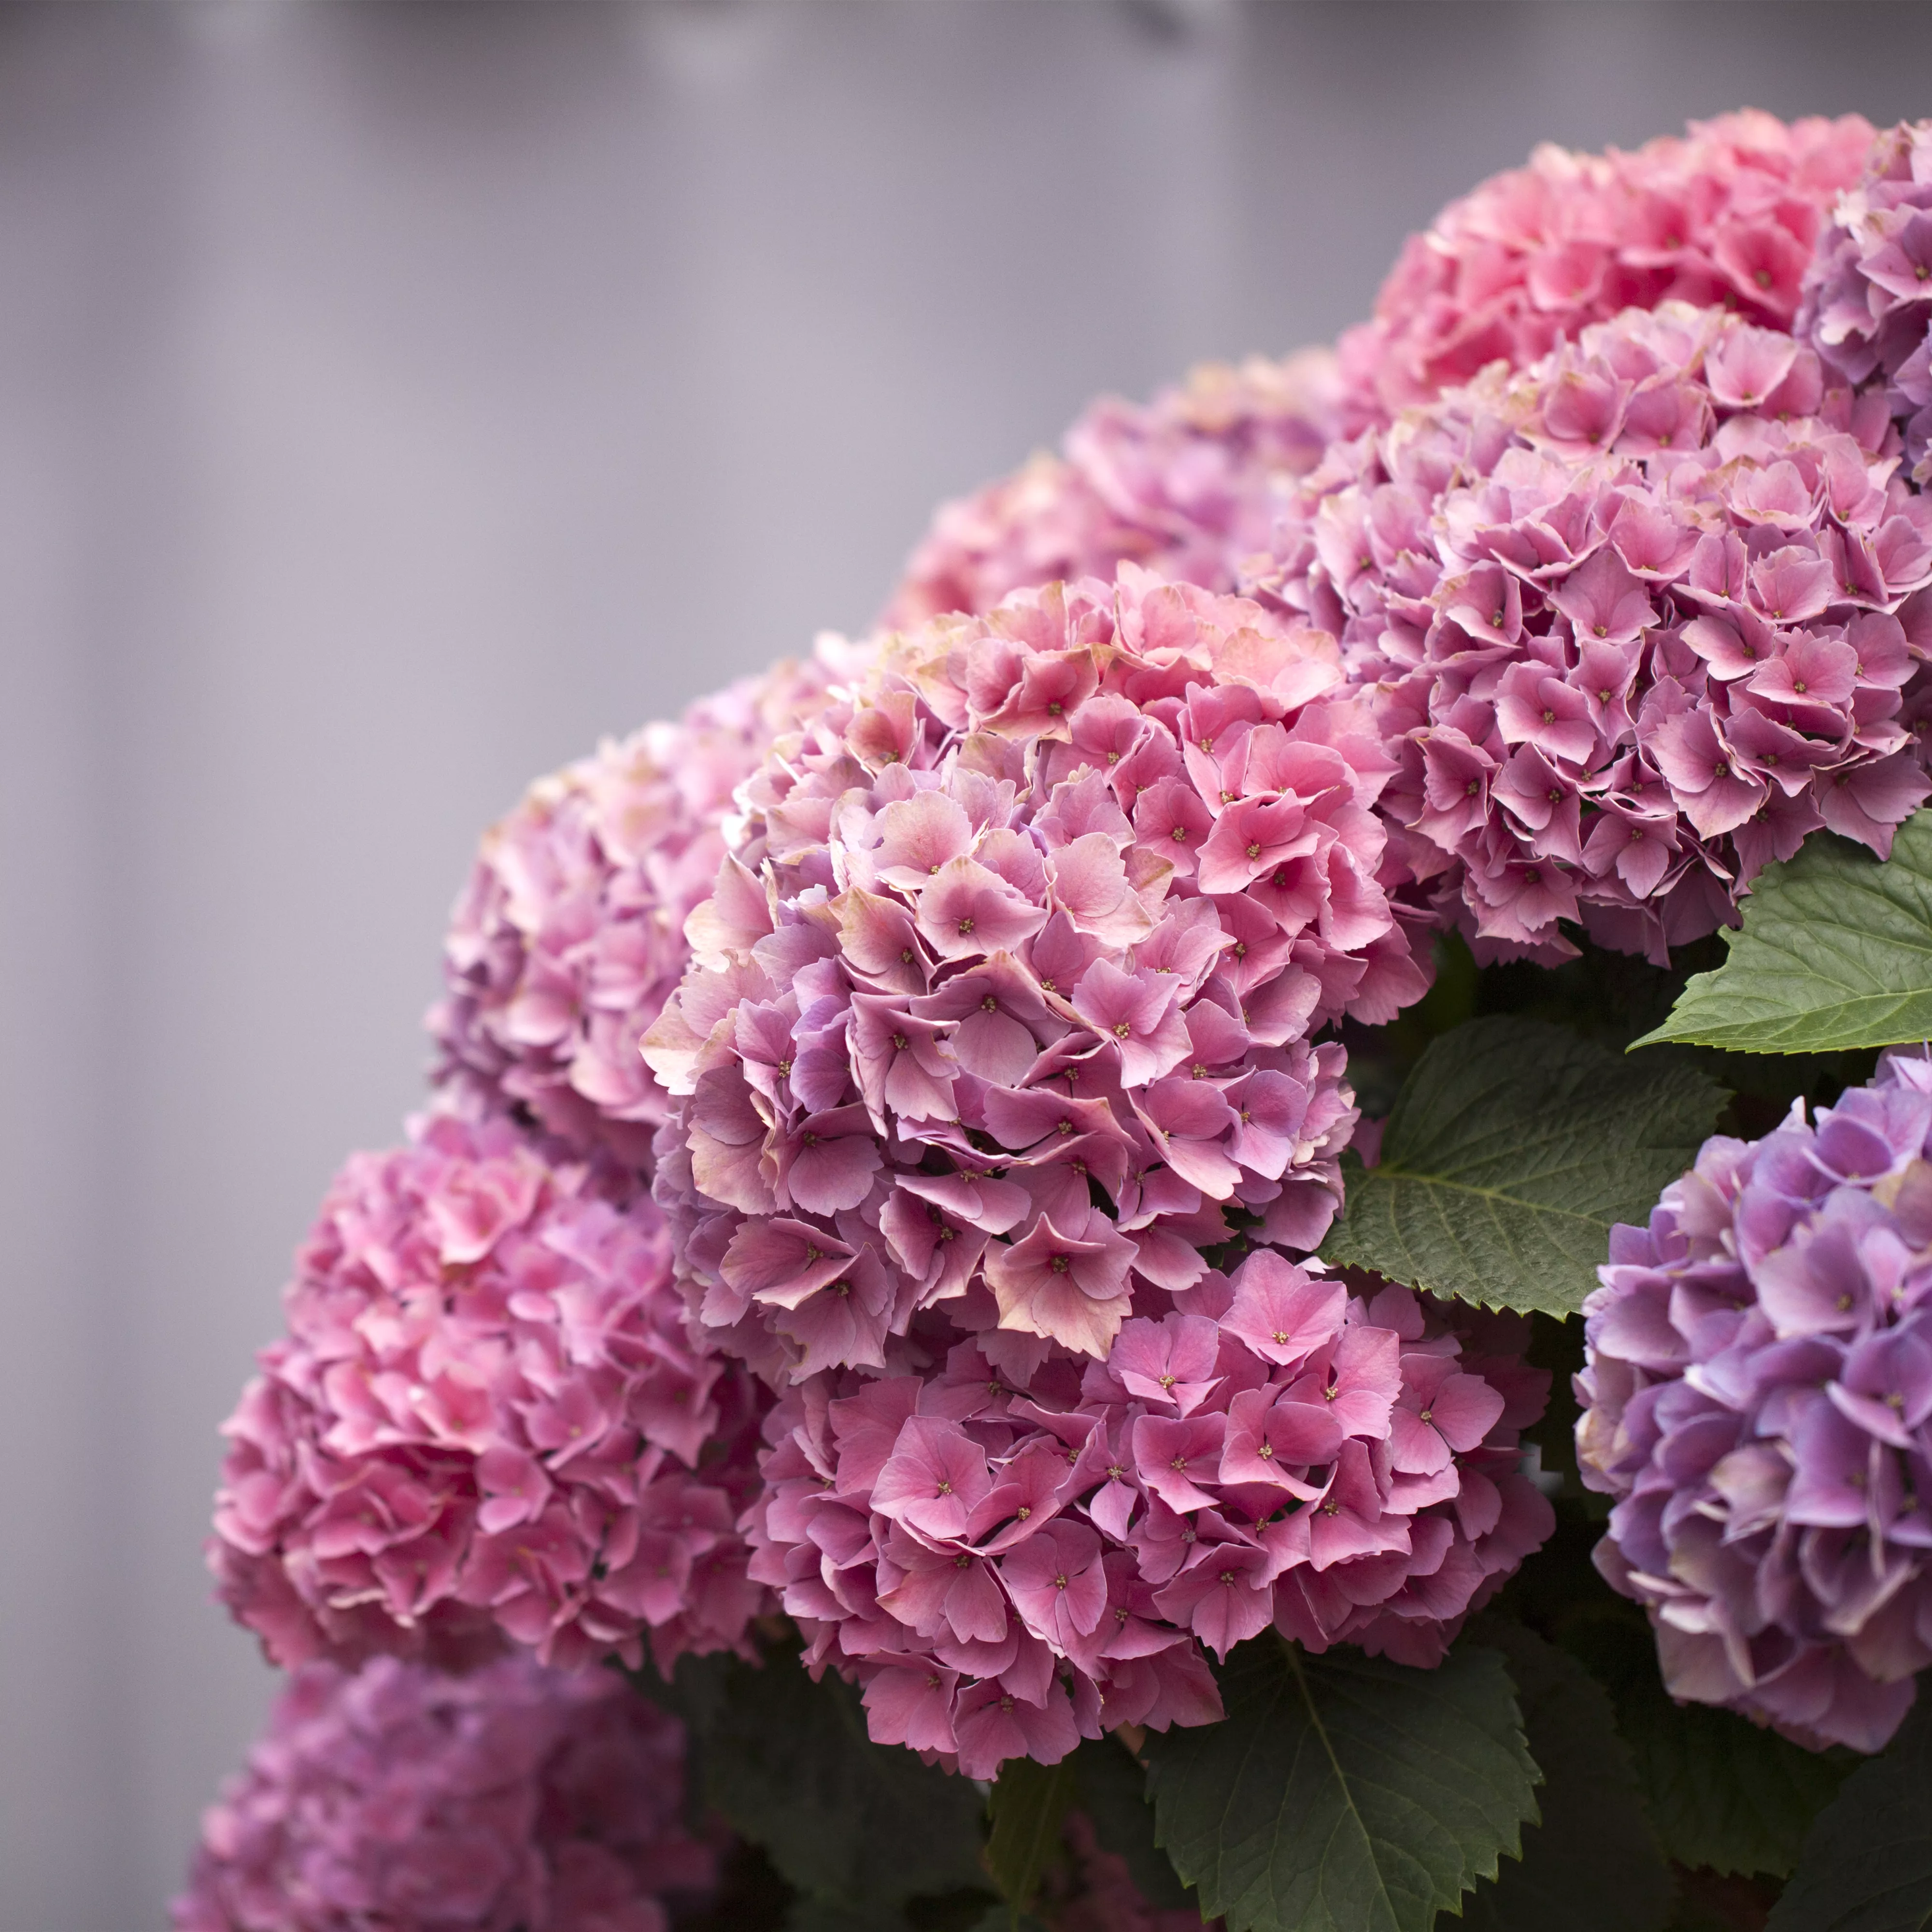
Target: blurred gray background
(393,399)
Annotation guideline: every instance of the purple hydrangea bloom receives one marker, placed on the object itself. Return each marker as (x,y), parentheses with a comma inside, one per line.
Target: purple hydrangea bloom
(569,934)
(1726,213)
(1186,485)
(486,1424)
(1867,306)
(516,1799)
(1758,1398)
(1042,918)
(1633,622)
(1009,1562)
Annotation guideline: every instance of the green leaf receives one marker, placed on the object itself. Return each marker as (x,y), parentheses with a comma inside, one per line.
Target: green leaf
(1722,1792)
(1344,1793)
(1113,1794)
(848,1821)
(1592,1864)
(1512,1148)
(1027,1807)
(1867,1864)
(1836,951)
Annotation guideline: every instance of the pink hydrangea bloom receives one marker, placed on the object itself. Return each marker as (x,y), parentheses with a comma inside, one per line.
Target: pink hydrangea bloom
(570,932)
(1867,307)
(1008,1562)
(1758,1397)
(1186,485)
(1726,215)
(516,1799)
(1001,1013)
(1635,622)
(485,1425)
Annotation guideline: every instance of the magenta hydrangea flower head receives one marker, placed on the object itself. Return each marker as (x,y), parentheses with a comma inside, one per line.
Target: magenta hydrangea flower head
(1007,1562)
(570,933)
(1727,215)
(1001,1011)
(1867,306)
(1758,1398)
(515,1799)
(485,1425)
(1186,485)
(1635,622)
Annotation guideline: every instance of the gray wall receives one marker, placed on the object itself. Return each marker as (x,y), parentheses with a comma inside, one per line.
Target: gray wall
(393,399)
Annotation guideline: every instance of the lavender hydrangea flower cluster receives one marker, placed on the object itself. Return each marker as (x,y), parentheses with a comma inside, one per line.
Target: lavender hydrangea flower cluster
(1001,1007)
(1867,306)
(569,935)
(486,1426)
(516,1799)
(1186,485)
(1758,1397)
(1635,622)
(1008,1565)
(1727,214)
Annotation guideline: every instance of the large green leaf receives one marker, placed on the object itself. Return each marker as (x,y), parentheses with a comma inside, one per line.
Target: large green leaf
(1722,1792)
(848,1822)
(1835,951)
(1512,1148)
(1593,1863)
(1344,1793)
(1027,1809)
(1867,1863)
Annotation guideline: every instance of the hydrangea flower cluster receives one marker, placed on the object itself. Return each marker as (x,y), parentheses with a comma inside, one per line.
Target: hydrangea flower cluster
(1727,214)
(569,933)
(1001,1010)
(1867,307)
(485,1424)
(1187,485)
(1758,1397)
(516,1799)
(1637,621)
(1009,1563)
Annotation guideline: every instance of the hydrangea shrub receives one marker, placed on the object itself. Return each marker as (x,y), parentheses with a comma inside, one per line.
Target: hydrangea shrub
(1012,1208)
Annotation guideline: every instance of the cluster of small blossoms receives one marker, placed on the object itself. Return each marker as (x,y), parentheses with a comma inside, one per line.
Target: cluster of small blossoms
(1187,485)
(1636,621)
(1001,1012)
(1727,215)
(1009,1563)
(485,1425)
(516,1799)
(1867,307)
(569,933)
(1758,1397)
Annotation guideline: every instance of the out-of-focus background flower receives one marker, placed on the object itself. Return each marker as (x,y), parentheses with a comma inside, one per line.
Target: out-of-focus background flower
(394,398)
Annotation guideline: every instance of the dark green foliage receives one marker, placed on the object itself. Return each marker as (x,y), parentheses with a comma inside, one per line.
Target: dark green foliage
(1514,1147)
(1113,1794)
(1835,952)
(853,1826)
(1867,1863)
(1723,1792)
(1344,1793)
(1592,1864)
(1026,1810)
